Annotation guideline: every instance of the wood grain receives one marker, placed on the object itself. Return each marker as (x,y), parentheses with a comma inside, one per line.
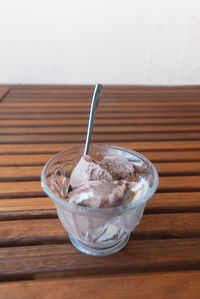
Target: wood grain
(137,256)
(44,231)
(178,168)
(108,137)
(19,173)
(33,172)
(103,106)
(185,159)
(166,184)
(106,103)
(25,206)
(141,146)
(174,201)
(100,129)
(98,122)
(42,207)
(103,115)
(37,159)
(173,285)
(180,284)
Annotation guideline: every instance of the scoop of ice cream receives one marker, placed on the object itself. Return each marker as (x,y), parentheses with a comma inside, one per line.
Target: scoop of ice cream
(105,183)
(119,167)
(86,170)
(109,169)
(101,194)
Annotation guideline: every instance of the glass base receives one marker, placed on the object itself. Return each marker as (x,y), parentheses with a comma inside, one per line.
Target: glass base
(99,251)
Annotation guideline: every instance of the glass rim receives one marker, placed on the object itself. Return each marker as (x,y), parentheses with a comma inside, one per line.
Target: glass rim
(111,210)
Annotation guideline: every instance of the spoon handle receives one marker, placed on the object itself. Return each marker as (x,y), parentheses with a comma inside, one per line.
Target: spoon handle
(94,105)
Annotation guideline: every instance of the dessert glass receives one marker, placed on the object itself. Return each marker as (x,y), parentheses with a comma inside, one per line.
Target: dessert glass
(102,231)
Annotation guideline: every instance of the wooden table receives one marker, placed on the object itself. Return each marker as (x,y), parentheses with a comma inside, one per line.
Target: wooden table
(162,259)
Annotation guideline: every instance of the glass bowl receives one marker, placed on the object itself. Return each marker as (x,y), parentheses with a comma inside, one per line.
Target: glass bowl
(101,231)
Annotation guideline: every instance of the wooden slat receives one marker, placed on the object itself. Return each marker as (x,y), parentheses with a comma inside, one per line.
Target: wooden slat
(11,187)
(30,172)
(156,157)
(109,96)
(21,208)
(98,122)
(20,172)
(166,184)
(100,129)
(101,111)
(48,98)
(163,156)
(25,204)
(102,115)
(178,168)
(172,156)
(100,137)
(38,159)
(36,148)
(168,226)
(137,256)
(31,231)
(175,201)
(43,231)
(176,183)
(141,146)
(21,189)
(20,107)
(179,284)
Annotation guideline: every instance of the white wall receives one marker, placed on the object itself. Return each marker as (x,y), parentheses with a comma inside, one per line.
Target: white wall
(108,41)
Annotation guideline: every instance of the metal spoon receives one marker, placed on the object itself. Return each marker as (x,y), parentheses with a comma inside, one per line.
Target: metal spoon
(95,101)
(94,105)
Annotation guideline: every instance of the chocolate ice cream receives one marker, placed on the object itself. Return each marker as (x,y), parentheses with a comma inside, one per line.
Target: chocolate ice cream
(103,184)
